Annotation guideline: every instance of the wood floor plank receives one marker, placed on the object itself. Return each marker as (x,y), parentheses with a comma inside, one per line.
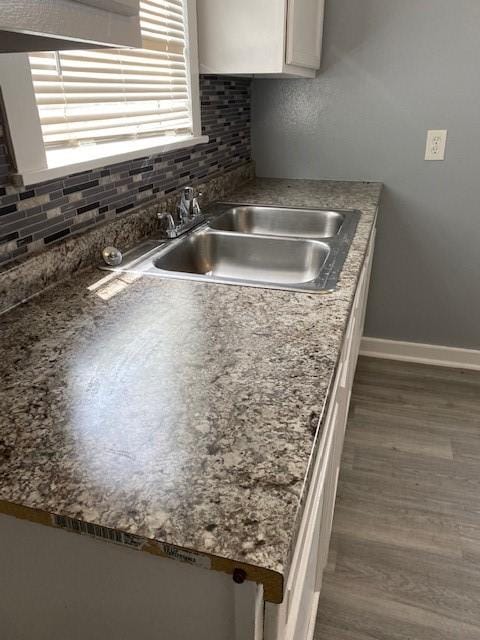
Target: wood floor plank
(405,527)
(412,370)
(366,614)
(409,438)
(470,548)
(463,418)
(428,471)
(405,552)
(405,493)
(466,447)
(417,578)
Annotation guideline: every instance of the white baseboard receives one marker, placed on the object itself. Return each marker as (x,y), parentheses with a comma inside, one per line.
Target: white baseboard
(422,353)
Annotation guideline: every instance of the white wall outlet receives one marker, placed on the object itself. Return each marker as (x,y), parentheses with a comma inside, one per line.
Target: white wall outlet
(436,142)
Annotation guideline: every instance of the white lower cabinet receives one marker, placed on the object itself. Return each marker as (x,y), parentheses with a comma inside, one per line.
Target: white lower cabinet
(294,619)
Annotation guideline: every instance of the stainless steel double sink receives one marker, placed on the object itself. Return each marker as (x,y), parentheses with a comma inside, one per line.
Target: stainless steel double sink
(258,246)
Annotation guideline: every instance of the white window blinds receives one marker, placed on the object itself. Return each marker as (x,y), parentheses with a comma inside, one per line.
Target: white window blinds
(104,95)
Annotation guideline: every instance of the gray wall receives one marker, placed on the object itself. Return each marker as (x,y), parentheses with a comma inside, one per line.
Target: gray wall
(391,70)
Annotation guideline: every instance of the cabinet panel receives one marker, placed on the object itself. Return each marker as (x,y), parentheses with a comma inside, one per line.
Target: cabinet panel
(241,37)
(308,589)
(58,585)
(304,33)
(303,589)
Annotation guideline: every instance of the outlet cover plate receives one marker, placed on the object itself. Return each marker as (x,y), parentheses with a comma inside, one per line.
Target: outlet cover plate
(436,143)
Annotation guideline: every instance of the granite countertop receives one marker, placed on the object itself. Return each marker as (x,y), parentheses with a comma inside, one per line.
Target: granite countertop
(179,412)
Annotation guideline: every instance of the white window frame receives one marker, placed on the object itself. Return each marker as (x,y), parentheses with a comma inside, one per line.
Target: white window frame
(25,133)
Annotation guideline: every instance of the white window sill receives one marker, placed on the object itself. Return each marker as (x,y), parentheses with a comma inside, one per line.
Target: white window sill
(65,162)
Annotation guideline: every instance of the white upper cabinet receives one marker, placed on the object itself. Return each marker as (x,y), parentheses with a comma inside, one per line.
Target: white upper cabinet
(304,33)
(44,25)
(267,38)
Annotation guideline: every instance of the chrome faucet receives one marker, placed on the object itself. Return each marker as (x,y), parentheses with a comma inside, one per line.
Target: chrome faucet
(189,215)
(188,207)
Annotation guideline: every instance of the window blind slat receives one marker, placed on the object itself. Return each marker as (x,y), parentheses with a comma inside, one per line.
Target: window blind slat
(173,6)
(117,128)
(84,128)
(153,42)
(95,96)
(46,100)
(134,132)
(163,23)
(129,70)
(87,120)
(117,89)
(126,56)
(113,80)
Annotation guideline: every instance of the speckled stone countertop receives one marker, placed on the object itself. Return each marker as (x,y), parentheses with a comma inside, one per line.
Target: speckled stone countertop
(177,411)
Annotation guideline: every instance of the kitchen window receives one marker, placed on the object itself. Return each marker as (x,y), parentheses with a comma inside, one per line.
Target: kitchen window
(94,107)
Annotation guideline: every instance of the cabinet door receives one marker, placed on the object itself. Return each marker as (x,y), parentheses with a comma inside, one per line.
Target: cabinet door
(303,582)
(304,33)
(309,594)
(241,36)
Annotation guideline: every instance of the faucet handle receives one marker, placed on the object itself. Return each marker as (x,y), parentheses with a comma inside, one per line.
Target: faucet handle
(166,218)
(188,193)
(168,226)
(196,211)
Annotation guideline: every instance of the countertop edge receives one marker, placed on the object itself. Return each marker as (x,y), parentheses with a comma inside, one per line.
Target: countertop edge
(273,581)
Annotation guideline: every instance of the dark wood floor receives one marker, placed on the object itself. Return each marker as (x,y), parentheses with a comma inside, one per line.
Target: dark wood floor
(405,553)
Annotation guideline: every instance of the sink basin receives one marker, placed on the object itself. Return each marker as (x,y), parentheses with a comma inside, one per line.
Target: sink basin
(276,221)
(223,256)
(255,246)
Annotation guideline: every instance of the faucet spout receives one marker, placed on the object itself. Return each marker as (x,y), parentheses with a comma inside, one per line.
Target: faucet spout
(186,208)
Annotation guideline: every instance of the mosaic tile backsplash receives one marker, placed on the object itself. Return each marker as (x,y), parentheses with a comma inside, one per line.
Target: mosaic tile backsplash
(34,217)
